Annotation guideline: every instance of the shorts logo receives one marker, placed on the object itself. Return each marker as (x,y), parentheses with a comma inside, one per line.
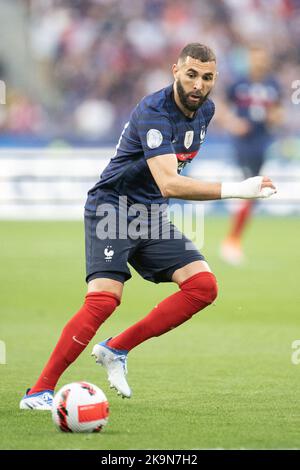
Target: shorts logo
(202,134)
(154,138)
(109,253)
(188,139)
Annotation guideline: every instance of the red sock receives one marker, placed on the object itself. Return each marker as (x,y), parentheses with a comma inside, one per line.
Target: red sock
(240,219)
(196,293)
(76,335)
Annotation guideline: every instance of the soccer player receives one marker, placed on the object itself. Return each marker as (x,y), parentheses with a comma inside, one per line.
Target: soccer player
(251,114)
(164,133)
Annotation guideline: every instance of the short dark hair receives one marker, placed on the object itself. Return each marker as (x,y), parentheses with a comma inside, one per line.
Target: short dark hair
(197,51)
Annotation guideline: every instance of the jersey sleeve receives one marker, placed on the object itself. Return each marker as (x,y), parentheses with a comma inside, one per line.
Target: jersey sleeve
(155,132)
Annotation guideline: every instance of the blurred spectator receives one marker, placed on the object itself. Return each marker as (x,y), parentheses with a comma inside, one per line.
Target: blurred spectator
(115,52)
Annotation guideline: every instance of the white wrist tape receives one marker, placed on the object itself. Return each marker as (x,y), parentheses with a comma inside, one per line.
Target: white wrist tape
(247,189)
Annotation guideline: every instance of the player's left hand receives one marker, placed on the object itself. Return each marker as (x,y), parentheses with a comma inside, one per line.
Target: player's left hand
(252,188)
(267,188)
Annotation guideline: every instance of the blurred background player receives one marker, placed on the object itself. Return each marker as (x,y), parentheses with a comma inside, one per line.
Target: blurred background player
(251,114)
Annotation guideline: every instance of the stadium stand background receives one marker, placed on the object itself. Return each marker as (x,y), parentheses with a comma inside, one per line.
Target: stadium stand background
(74,70)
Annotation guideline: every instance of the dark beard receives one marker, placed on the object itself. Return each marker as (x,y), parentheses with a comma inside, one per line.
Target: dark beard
(183,96)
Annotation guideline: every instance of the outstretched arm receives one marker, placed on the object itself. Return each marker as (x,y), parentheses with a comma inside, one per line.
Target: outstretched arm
(171,184)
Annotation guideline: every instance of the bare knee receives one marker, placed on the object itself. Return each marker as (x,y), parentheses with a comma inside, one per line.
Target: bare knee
(106,285)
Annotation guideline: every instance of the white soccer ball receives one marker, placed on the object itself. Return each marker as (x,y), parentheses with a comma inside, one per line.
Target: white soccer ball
(80,407)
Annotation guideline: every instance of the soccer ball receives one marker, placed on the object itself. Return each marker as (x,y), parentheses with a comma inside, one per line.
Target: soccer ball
(80,407)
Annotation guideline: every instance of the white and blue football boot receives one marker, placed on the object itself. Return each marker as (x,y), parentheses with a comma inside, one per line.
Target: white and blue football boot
(41,401)
(115,363)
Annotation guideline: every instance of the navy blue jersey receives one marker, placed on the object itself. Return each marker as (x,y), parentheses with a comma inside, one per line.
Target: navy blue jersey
(156,127)
(252,101)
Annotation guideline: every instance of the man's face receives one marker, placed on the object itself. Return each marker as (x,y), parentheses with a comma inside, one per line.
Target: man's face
(193,81)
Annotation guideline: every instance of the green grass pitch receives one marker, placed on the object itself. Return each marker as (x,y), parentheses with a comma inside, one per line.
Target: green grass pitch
(222,380)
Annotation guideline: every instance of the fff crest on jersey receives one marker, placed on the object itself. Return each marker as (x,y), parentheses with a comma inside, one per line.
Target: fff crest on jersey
(188,139)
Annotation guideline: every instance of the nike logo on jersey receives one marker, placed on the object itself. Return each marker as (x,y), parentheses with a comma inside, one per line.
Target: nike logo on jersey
(202,134)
